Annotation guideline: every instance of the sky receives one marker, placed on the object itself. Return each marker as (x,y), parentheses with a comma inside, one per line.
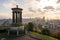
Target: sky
(50,9)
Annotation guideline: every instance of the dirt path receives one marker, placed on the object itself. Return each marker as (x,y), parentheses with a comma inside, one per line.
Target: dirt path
(25,37)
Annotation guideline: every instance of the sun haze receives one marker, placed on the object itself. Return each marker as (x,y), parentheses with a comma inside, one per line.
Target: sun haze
(31,8)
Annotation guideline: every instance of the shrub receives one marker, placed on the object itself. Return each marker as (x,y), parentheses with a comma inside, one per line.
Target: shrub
(45,31)
(55,34)
(30,26)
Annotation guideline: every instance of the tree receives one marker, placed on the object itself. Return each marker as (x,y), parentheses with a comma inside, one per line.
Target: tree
(55,33)
(58,36)
(45,31)
(30,26)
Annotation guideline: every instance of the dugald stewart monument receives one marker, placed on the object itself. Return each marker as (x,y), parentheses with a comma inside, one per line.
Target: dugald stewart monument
(17,16)
(16,24)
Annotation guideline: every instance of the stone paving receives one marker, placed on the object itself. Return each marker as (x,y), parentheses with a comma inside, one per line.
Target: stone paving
(25,37)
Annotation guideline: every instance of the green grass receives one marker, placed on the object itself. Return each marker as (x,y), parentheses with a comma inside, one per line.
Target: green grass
(5,35)
(43,36)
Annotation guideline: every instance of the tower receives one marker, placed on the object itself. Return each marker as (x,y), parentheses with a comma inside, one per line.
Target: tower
(44,19)
(17,15)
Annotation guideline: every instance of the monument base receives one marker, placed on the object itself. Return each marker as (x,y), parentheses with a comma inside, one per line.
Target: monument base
(17,29)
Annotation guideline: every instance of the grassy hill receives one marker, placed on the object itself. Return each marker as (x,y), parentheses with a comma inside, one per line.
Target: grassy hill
(43,36)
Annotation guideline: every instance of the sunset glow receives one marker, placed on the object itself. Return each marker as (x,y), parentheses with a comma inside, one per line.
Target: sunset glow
(31,8)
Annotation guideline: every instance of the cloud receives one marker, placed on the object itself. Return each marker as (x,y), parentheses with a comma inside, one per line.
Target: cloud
(49,7)
(5,15)
(38,0)
(31,10)
(58,1)
(36,11)
(39,10)
(9,4)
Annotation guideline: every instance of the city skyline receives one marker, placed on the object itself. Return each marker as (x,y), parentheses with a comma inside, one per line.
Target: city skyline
(31,8)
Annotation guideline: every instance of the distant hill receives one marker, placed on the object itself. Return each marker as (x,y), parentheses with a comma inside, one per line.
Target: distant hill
(25,21)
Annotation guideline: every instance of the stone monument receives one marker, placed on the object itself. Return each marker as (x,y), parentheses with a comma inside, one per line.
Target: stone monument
(16,16)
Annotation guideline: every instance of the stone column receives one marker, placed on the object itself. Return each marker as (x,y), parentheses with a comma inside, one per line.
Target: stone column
(8,31)
(13,17)
(16,17)
(18,31)
(21,17)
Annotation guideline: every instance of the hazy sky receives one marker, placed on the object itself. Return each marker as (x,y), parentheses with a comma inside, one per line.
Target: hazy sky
(31,8)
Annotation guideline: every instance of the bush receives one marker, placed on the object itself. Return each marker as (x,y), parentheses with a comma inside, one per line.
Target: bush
(58,36)
(3,31)
(45,31)
(55,34)
(30,26)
